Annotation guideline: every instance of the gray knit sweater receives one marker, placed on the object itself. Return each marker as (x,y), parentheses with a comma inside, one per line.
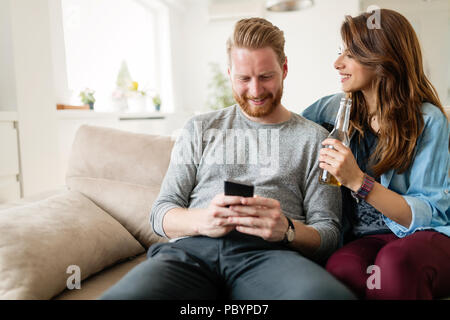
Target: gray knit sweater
(280,160)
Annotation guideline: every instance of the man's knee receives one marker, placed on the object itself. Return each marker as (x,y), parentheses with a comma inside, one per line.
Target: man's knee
(316,284)
(321,288)
(164,278)
(135,284)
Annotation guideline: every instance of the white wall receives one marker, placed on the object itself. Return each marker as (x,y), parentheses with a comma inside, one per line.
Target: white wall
(431,22)
(312,39)
(62,92)
(34,89)
(7,79)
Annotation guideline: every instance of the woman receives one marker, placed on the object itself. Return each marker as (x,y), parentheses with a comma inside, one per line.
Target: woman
(395,171)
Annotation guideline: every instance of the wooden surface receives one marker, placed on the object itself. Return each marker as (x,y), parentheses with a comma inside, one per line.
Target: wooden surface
(69,107)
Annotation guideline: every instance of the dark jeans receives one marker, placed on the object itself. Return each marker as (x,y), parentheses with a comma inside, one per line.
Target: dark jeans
(413,267)
(237,266)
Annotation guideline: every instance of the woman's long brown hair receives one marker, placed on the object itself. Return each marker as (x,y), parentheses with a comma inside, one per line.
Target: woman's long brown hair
(394,53)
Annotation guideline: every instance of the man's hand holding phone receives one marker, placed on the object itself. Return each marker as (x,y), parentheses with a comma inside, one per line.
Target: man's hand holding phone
(260,217)
(238,209)
(214,221)
(256,216)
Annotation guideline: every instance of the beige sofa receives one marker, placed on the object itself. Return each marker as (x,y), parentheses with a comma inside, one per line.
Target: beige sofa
(96,229)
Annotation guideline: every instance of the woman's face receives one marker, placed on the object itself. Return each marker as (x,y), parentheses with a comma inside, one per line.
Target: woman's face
(354,75)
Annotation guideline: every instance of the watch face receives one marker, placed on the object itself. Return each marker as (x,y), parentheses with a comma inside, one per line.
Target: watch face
(290,235)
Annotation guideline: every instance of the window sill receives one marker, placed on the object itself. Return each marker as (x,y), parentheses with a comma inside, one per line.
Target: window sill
(89,114)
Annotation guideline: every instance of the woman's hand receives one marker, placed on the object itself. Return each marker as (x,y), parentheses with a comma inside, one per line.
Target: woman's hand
(341,163)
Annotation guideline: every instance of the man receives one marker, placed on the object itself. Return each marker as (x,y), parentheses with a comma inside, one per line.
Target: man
(231,246)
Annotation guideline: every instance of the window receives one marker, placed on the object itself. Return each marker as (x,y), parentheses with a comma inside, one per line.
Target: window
(99,36)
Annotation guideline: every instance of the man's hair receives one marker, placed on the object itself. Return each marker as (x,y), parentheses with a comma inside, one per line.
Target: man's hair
(257,33)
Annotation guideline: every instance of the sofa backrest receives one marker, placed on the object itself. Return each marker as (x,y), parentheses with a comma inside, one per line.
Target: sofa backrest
(121,172)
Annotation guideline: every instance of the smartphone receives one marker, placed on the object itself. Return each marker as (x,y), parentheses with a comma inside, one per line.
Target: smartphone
(233,188)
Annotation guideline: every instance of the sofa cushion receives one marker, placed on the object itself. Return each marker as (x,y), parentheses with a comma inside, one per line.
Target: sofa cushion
(121,172)
(93,287)
(32,198)
(41,240)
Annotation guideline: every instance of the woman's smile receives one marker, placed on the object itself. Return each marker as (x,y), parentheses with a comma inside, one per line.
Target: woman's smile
(344,77)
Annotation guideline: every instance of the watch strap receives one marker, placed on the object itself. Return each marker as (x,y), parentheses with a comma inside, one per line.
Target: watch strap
(365,188)
(290,226)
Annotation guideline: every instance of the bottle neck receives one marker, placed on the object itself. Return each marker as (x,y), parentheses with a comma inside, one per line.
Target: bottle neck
(343,116)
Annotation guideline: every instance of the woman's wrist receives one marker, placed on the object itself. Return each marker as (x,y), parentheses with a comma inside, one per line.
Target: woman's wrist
(357,183)
(366,187)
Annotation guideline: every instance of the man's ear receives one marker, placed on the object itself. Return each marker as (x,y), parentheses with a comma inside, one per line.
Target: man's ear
(230,75)
(285,68)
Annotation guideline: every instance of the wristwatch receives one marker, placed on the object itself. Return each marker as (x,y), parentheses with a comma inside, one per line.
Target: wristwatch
(290,232)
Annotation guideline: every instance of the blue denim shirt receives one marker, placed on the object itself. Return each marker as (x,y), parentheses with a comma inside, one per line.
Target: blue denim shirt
(425,185)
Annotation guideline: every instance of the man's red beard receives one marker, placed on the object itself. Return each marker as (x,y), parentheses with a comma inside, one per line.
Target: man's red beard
(259,111)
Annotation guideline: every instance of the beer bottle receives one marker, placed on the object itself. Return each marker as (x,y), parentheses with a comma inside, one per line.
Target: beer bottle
(340,132)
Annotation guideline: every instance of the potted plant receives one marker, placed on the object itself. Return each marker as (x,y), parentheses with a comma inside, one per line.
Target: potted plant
(220,94)
(87,97)
(136,98)
(157,102)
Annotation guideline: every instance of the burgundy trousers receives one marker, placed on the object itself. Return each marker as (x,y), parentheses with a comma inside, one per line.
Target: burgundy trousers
(413,267)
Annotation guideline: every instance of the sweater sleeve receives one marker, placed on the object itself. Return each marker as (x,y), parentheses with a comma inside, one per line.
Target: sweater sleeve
(180,176)
(322,205)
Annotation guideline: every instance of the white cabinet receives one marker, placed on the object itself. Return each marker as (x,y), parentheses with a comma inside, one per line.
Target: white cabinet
(10,189)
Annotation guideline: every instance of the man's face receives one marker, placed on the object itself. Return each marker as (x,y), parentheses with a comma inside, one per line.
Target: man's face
(257,80)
